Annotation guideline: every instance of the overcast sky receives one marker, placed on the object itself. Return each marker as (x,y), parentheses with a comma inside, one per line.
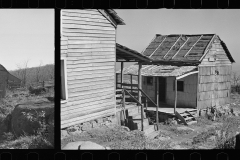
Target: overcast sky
(26,34)
(142,25)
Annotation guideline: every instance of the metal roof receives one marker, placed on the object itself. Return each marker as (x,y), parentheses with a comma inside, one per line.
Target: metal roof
(179,47)
(159,70)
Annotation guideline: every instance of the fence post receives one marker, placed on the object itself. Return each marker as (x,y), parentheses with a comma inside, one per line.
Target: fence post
(43,84)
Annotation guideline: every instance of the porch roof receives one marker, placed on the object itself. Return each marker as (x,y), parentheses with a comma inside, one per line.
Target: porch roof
(160,70)
(125,54)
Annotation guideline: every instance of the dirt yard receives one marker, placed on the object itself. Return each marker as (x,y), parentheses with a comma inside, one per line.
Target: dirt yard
(205,134)
(8,140)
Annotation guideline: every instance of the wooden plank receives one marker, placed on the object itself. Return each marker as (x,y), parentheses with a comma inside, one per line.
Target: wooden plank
(89,117)
(84,34)
(84,105)
(91,42)
(79,26)
(80,46)
(73,66)
(91,50)
(89,92)
(94,87)
(78,85)
(87,19)
(87,72)
(90,76)
(90,68)
(90,57)
(91,61)
(87,22)
(88,31)
(81,15)
(82,11)
(92,38)
(86,112)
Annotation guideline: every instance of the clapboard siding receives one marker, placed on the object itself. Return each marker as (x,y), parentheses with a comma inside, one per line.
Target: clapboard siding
(89,47)
(214,81)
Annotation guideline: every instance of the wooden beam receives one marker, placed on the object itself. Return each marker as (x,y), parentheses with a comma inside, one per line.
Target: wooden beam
(172,47)
(149,44)
(182,76)
(181,47)
(122,65)
(158,46)
(140,87)
(192,46)
(175,105)
(207,48)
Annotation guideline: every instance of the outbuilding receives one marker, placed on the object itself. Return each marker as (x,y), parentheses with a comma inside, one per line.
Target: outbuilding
(187,71)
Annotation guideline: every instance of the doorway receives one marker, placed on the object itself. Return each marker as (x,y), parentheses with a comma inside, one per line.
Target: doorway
(162,89)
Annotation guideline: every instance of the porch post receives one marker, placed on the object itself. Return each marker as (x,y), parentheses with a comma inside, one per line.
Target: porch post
(131,83)
(175,105)
(140,87)
(122,65)
(157,119)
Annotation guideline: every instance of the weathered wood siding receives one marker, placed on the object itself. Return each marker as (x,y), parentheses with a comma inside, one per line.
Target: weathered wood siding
(88,42)
(214,77)
(187,98)
(150,90)
(3,83)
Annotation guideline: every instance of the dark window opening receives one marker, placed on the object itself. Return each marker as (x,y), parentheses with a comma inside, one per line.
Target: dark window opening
(150,81)
(180,86)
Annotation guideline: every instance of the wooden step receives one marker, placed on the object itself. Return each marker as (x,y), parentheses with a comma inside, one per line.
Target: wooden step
(136,124)
(186,117)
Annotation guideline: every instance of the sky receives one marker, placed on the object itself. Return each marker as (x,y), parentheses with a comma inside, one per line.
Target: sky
(142,25)
(26,35)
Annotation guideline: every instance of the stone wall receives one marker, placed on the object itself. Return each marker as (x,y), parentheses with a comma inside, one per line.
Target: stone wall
(79,128)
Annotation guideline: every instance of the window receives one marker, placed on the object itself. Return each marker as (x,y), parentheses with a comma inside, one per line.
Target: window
(180,86)
(64,93)
(150,81)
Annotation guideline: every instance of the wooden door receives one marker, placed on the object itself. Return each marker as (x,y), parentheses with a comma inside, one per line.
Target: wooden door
(162,89)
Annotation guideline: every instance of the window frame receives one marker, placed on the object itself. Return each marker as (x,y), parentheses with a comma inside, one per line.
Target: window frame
(178,81)
(149,84)
(65,99)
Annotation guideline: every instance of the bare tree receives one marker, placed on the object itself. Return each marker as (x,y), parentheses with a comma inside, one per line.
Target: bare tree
(23,72)
(38,70)
(235,78)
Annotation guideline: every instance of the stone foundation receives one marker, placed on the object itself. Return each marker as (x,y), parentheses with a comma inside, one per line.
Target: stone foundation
(79,128)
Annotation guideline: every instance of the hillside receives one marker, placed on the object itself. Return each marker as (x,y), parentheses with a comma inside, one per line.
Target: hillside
(35,74)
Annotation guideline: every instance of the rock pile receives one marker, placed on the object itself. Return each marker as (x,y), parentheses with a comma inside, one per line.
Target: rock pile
(31,118)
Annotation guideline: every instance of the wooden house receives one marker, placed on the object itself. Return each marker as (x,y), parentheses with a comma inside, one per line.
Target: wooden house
(88,56)
(5,79)
(186,71)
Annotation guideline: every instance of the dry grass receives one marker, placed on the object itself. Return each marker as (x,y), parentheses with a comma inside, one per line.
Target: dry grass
(8,140)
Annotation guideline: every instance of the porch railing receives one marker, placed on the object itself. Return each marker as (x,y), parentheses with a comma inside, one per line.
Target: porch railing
(125,90)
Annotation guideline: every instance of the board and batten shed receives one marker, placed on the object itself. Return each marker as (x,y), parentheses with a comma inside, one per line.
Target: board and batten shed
(199,65)
(88,57)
